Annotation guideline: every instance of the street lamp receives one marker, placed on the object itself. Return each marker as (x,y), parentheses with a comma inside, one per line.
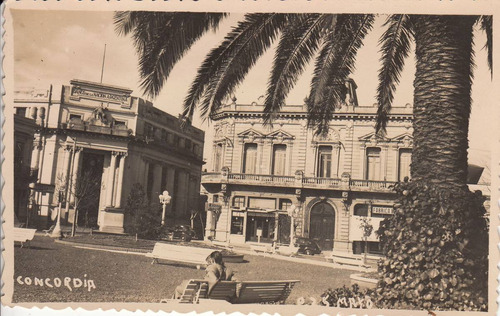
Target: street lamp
(57,232)
(164,200)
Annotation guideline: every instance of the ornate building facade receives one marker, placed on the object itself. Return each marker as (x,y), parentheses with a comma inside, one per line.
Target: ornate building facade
(261,174)
(101,130)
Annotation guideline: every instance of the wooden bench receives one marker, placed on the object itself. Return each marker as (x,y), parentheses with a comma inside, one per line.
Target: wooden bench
(245,292)
(264,292)
(184,254)
(23,235)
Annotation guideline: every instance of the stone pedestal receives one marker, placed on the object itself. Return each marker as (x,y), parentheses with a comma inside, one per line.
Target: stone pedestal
(112,220)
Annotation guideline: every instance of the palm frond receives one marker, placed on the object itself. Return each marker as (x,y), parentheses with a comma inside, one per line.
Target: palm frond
(226,65)
(161,39)
(298,43)
(395,49)
(487,27)
(333,65)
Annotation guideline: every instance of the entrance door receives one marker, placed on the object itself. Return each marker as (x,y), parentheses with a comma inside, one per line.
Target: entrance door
(322,227)
(91,170)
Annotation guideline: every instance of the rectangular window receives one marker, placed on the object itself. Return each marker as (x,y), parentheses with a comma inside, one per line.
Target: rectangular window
(239,201)
(250,159)
(404,163)
(21,111)
(285,204)
(324,162)
(215,199)
(373,164)
(75,117)
(279,160)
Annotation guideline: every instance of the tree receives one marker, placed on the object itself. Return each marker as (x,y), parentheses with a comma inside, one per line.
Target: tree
(442,104)
(86,192)
(144,219)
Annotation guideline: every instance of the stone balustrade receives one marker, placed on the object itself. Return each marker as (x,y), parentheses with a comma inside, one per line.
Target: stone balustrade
(303,182)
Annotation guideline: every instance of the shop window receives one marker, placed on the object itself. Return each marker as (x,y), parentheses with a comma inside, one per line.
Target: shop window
(285,204)
(324,161)
(361,210)
(215,199)
(239,201)
(250,159)
(237,225)
(404,163)
(279,160)
(373,164)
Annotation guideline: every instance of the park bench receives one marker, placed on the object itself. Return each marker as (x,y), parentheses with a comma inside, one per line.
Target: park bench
(23,235)
(266,248)
(244,292)
(264,292)
(343,259)
(184,254)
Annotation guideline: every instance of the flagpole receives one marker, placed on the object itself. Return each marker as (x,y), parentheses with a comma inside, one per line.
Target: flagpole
(103,58)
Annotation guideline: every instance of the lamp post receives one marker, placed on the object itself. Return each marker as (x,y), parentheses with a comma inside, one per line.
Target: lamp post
(164,200)
(291,211)
(57,232)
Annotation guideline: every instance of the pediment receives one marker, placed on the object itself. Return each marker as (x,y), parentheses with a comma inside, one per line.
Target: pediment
(332,136)
(406,139)
(280,134)
(373,138)
(250,133)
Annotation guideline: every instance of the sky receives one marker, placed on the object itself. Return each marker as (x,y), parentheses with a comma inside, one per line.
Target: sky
(54,47)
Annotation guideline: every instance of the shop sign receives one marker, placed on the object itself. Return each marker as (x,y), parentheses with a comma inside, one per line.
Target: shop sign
(214,207)
(77,91)
(238,213)
(386,210)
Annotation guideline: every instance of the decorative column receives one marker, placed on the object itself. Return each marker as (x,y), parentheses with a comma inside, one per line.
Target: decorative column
(119,186)
(260,149)
(288,157)
(335,160)
(383,158)
(111,180)
(74,172)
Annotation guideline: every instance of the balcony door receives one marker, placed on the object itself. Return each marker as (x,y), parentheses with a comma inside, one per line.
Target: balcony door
(322,225)
(279,160)
(404,163)
(250,158)
(324,162)
(373,164)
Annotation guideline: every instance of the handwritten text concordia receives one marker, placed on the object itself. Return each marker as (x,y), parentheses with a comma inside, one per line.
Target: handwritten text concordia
(69,283)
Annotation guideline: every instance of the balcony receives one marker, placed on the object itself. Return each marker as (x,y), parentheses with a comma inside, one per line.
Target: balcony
(86,127)
(297,181)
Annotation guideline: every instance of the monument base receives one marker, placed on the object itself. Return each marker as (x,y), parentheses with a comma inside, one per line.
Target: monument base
(111,220)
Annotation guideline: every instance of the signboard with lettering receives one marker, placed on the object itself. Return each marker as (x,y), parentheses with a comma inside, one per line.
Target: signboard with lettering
(386,210)
(214,207)
(238,213)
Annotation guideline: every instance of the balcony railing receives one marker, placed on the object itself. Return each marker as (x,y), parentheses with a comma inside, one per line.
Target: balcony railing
(303,182)
(84,126)
(261,177)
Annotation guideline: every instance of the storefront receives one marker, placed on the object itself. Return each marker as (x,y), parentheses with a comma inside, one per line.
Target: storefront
(375,214)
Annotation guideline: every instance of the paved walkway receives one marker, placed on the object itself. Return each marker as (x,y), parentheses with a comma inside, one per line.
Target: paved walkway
(318,260)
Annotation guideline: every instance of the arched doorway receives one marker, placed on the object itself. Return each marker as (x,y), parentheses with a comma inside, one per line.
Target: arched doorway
(322,225)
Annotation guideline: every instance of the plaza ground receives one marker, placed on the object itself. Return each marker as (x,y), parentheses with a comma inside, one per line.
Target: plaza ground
(132,278)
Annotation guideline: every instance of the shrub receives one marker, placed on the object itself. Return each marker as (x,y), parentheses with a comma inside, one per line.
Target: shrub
(144,219)
(348,297)
(436,248)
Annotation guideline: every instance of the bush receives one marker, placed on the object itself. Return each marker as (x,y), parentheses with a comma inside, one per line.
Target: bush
(436,250)
(144,219)
(348,297)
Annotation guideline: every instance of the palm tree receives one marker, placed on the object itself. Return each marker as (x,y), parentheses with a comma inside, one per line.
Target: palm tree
(437,202)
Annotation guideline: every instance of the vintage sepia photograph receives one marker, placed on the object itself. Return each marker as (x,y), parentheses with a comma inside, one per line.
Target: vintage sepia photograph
(313,162)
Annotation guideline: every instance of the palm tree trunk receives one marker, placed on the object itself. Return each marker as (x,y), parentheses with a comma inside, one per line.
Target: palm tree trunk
(442,99)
